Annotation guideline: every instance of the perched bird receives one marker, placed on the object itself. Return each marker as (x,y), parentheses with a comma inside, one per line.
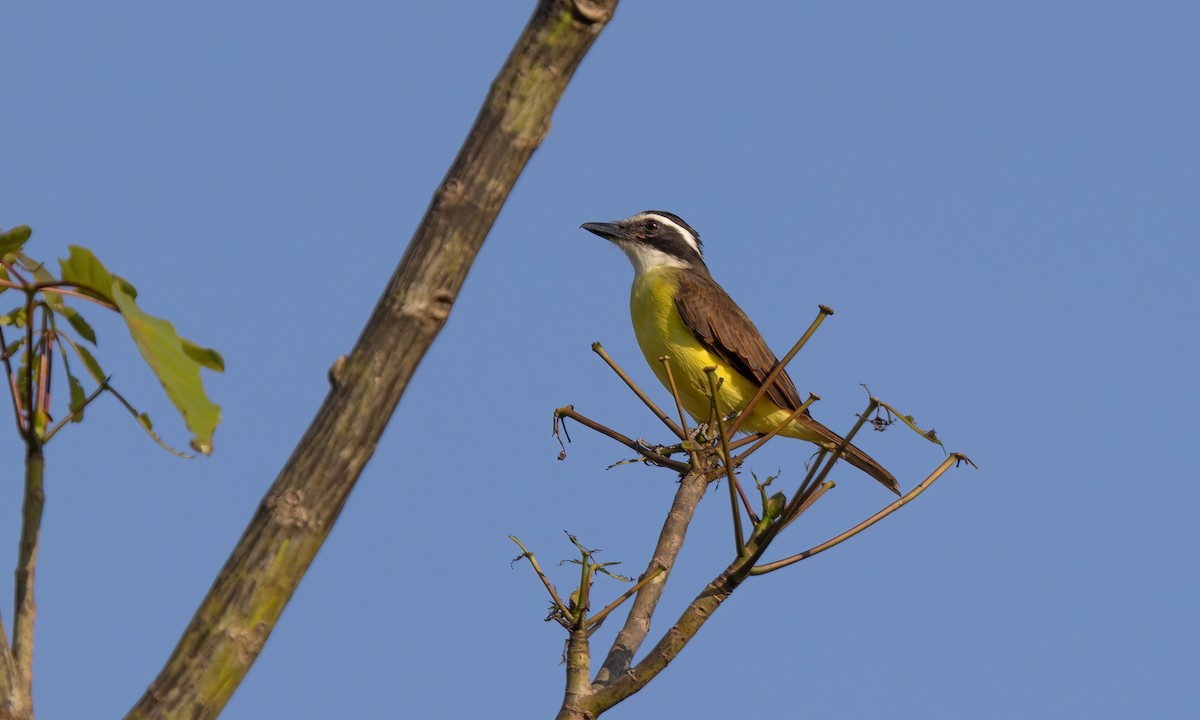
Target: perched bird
(681,312)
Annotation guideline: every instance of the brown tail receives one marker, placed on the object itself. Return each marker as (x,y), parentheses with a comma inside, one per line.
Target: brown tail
(867,464)
(813,431)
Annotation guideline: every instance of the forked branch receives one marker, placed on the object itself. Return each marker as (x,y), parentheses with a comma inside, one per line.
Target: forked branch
(619,677)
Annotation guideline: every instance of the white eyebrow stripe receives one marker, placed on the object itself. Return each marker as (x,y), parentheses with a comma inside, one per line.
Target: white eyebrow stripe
(689,237)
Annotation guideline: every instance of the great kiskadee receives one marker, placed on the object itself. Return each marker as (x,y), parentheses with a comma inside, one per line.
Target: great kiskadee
(681,312)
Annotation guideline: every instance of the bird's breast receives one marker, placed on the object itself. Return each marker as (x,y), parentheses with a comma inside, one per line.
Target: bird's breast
(660,331)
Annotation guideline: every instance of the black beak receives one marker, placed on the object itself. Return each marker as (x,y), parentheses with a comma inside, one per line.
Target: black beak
(608,231)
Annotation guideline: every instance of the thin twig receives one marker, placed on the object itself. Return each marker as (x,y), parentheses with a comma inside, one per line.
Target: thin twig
(75,411)
(656,458)
(799,502)
(585,584)
(558,603)
(735,488)
(12,383)
(777,429)
(823,312)
(74,288)
(59,287)
(143,423)
(836,453)
(30,406)
(691,451)
(813,469)
(743,441)
(12,270)
(838,539)
(809,498)
(599,350)
(47,341)
(593,623)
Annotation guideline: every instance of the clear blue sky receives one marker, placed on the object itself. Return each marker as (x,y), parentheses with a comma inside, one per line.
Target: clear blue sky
(999,200)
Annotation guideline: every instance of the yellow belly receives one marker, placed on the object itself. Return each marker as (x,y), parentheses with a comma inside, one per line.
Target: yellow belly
(661,331)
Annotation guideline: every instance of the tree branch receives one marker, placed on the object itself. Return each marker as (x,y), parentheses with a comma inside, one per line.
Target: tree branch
(233,622)
(568,411)
(670,541)
(842,537)
(595,621)
(14,703)
(673,641)
(578,657)
(559,605)
(25,607)
(666,420)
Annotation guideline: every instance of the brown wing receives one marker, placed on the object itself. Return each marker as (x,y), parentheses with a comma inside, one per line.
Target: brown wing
(725,329)
(721,325)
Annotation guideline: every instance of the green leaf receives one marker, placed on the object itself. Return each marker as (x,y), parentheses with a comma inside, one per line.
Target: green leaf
(83,268)
(207,357)
(81,326)
(37,267)
(78,398)
(176,369)
(13,346)
(127,286)
(12,239)
(14,317)
(89,361)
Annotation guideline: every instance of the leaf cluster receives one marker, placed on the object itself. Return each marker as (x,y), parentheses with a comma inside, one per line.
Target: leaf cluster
(50,337)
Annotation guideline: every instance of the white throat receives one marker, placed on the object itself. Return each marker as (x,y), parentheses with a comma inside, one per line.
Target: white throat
(646,258)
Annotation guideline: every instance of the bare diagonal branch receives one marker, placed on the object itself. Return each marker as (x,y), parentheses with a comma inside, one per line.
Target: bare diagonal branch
(233,622)
(568,411)
(670,541)
(654,408)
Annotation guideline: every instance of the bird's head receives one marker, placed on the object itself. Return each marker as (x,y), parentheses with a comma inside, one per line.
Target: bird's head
(653,239)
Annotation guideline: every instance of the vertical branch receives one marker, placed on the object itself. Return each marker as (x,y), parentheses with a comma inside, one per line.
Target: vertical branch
(44,365)
(670,541)
(578,673)
(739,539)
(26,610)
(691,450)
(27,391)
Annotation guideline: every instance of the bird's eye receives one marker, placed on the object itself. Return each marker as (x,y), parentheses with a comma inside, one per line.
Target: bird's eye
(652,225)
